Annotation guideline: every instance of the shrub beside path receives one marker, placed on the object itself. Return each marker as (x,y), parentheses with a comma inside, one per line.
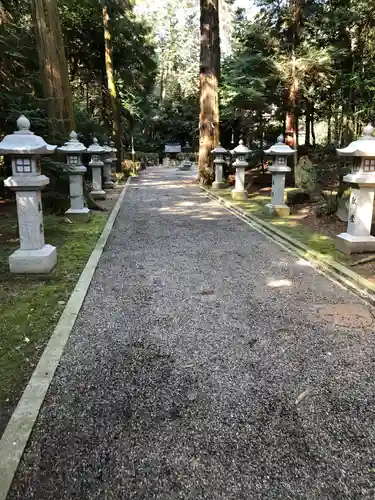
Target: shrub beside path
(206,363)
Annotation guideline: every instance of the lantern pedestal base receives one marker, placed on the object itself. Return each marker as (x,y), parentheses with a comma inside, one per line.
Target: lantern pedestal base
(347,243)
(280,210)
(78,214)
(239,195)
(185,165)
(98,195)
(218,185)
(40,261)
(108,185)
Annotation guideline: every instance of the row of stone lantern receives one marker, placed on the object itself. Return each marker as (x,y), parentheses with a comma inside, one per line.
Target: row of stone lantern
(240,152)
(34,256)
(361,180)
(279,151)
(357,238)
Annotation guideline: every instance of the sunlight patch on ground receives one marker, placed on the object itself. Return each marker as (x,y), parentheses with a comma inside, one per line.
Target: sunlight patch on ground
(303,262)
(279,283)
(202,217)
(196,213)
(186,204)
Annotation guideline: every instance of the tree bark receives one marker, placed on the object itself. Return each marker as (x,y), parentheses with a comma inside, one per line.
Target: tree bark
(209,76)
(112,91)
(307,124)
(54,68)
(291,131)
(340,128)
(329,123)
(261,138)
(313,124)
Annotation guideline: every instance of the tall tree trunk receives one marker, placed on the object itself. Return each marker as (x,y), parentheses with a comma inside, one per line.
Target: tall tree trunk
(261,138)
(209,75)
(293,93)
(112,91)
(53,67)
(313,124)
(162,86)
(329,123)
(307,124)
(291,128)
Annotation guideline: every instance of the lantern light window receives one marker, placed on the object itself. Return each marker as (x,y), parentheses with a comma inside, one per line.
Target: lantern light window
(369,165)
(74,160)
(23,165)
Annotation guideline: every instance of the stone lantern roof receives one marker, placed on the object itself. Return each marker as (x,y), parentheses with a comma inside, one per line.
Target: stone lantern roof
(25,142)
(95,148)
(219,150)
(73,146)
(107,149)
(172,148)
(187,148)
(241,149)
(280,148)
(364,146)
(113,147)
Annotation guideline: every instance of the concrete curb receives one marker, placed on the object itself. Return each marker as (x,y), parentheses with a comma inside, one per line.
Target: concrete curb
(20,425)
(351,280)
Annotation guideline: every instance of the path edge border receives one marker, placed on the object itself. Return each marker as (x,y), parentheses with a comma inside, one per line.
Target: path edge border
(359,285)
(23,418)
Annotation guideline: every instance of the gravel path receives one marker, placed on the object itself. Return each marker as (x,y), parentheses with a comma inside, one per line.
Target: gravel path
(205,364)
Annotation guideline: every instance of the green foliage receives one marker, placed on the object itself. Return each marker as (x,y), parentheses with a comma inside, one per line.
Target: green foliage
(332,53)
(83,33)
(135,66)
(326,207)
(297,197)
(131,168)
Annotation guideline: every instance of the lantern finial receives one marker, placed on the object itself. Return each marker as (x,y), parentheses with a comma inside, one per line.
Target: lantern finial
(241,142)
(368,130)
(280,139)
(73,135)
(23,123)
(95,140)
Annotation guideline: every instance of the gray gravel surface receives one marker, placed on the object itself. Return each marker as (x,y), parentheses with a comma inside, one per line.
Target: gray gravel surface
(200,368)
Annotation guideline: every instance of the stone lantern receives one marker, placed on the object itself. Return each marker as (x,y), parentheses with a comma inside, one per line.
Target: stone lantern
(362,182)
(186,164)
(96,151)
(73,150)
(240,152)
(33,256)
(114,159)
(219,163)
(279,168)
(108,184)
(187,149)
